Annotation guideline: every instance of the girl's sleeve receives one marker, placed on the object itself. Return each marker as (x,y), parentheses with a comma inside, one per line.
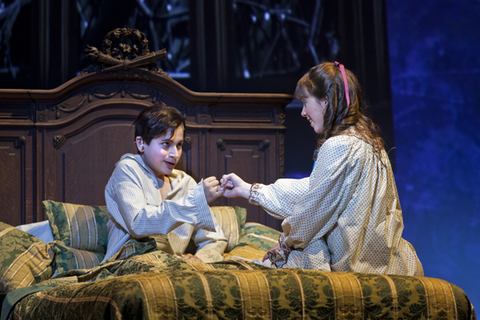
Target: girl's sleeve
(279,198)
(314,211)
(128,205)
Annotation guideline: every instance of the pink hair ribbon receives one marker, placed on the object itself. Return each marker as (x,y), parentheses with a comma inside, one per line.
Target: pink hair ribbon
(345,82)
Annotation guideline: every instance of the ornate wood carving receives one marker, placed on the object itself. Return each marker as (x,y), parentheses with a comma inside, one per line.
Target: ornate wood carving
(58,140)
(281,155)
(88,95)
(221,144)
(20,141)
(125,56)
(281,118)
(187,143)
(101,92)
(264,144)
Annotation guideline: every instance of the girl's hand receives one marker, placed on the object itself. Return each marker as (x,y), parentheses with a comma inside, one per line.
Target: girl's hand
(212,189)
(234,186)
(275,247)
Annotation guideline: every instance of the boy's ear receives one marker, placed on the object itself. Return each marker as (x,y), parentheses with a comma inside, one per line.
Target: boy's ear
(139,144)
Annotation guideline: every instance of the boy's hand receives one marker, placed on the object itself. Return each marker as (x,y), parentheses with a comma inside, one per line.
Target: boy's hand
(190,256)
(212,189)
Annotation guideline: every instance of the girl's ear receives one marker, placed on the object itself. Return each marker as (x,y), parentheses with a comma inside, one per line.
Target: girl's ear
(139,143)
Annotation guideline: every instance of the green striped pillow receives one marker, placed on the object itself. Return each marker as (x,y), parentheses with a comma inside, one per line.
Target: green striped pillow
(78,226)
(259,236)
(232,221)
(67,258)
(24,259)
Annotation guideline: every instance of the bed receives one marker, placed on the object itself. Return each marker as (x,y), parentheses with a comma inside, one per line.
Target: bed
(51,270)
(56,162)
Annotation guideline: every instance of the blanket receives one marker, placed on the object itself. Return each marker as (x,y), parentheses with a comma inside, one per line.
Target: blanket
(156,285)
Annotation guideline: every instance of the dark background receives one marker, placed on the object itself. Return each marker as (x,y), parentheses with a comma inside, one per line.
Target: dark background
(418,63)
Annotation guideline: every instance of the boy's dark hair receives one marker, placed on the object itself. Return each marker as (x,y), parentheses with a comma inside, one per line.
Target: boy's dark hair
(157,120)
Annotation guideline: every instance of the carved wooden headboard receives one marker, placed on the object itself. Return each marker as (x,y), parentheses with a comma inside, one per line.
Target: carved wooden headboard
(62,144)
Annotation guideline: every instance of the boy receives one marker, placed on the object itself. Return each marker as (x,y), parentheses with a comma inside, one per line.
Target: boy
(146,196)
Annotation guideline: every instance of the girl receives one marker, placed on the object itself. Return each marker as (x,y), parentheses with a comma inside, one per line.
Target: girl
(346,216)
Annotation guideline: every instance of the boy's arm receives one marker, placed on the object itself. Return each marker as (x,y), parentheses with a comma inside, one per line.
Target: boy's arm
(212,252)
(210,245)
(133,205)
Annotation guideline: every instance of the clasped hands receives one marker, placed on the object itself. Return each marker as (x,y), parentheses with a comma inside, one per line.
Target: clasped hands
(230,186)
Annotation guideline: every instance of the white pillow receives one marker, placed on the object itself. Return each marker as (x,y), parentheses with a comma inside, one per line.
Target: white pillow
(41,230)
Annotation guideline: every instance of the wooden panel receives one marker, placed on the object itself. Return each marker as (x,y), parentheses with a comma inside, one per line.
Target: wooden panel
(86,160)
(11,177)
(252,157)
(16,195)
(190,159)
(252,114)
(78,156)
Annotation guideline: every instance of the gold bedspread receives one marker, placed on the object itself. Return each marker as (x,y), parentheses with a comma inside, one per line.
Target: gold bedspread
(160,286)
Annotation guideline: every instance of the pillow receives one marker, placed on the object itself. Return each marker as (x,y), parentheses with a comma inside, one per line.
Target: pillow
(67,258)
(244,252)
(78,226)
(259,236)
(232,221)
(41,230)
(24,259)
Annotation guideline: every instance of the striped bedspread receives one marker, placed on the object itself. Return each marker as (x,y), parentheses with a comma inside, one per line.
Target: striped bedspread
(159,286)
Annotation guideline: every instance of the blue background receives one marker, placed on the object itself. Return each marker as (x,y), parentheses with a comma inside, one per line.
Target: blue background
(435,79)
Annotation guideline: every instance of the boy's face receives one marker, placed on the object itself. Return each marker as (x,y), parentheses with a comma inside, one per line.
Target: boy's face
(163,152)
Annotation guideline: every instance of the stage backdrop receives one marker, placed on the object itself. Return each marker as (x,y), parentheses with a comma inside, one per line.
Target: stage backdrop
(434,64)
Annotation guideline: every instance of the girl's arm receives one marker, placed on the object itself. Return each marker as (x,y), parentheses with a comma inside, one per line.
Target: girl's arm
(280,198)
(281,195)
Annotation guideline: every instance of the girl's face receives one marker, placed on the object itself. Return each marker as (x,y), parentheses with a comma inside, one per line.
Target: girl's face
(314,112)
(163,152)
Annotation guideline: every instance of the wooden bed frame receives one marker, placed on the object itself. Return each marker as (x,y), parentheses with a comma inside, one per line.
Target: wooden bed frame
(62,144)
